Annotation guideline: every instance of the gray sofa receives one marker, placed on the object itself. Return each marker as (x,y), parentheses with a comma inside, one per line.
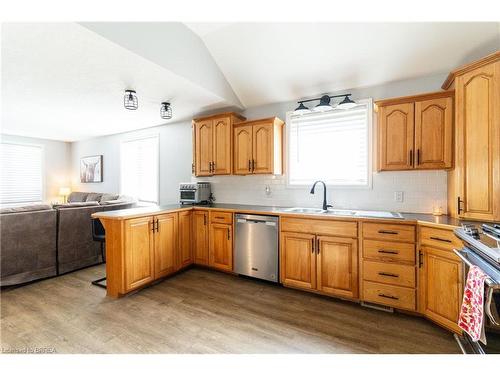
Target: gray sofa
(39,241)
(28,244)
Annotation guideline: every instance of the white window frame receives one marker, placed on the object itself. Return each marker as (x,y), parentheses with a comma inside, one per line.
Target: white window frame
(157,136)
(44,187)
(369,154)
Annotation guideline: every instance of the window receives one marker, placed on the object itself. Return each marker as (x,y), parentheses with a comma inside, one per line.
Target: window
(332,146)
(140,169)
(21,169)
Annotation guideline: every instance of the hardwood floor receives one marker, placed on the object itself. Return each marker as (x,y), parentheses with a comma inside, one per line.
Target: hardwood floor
(202,311)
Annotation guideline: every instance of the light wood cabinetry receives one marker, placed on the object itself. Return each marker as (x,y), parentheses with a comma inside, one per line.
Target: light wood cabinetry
(258,147)
(213,144)
(200,237)
(165,244)
(185,236)
(388,268)
(474,185)
(221,241)
(440,287)
(415,132)
(319,262)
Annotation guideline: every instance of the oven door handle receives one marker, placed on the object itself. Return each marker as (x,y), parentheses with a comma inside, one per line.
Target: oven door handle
(492,314)
(488,280)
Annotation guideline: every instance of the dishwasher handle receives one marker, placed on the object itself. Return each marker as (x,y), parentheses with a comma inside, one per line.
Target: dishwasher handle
(257,219)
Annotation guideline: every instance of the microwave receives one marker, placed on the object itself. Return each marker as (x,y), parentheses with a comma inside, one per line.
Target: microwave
(194,192)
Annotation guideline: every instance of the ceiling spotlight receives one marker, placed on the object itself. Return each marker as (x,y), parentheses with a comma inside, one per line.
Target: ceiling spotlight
(166,111)
(130,100)
(324,104)
(346,103)
(301,109)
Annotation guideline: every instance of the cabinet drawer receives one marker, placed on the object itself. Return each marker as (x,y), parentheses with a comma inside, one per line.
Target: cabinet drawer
(389,295)
(391,232)
(389,251)
(439,238)
(389,273)
(221,217)
(326,227)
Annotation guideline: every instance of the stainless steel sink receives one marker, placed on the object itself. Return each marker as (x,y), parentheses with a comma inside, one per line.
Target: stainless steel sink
(303,210)
(358,213)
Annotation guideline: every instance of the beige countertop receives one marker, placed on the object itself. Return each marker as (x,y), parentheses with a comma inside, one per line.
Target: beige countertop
(424,219)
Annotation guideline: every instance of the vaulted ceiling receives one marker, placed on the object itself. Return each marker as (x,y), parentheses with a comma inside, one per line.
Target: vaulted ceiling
(66,80)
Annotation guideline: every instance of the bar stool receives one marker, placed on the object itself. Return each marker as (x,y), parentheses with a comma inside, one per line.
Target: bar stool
(99,235)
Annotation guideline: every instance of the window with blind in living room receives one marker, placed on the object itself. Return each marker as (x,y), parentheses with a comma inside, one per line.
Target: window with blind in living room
(139,172)
(332,146)
(21,173)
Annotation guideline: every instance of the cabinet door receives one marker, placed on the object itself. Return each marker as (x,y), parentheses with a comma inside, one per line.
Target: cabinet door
(433,133)
(478,142)
(263,155)
(243,150)
(396,128)
(337,266)
(203,147)
(200,237)
(222,146)
(185,230)
(298,260)
(441,286)
(221,246)
(165,244)
(139,252)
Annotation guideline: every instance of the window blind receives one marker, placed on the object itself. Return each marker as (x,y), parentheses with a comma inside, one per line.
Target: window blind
(139,173)
(21,173)
(330,146)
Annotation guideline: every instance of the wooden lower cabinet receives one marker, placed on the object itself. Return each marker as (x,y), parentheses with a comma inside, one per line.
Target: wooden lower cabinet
(185,235)
(165,244)
(200,237)
(323,263)
(440,286)
(221,246)
(138,253)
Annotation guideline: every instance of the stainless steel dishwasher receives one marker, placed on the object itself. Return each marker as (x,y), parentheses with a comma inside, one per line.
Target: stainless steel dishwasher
(256,251)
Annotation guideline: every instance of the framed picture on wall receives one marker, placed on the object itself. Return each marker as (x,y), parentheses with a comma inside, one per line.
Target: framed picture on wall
(91,169)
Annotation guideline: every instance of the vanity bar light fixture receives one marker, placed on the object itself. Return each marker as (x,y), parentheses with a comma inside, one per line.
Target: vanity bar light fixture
(166,110)
(130,100)
(324,104)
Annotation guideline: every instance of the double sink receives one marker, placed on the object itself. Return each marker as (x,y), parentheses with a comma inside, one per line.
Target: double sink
(352,213)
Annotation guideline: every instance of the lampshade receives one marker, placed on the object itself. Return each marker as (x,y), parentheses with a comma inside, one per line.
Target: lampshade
(166,110)
(324,104)
(130,100)
(64,191)
(301,109)
(347,103)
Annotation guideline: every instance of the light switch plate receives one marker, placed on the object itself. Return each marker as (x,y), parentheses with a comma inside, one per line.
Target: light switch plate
(398,196)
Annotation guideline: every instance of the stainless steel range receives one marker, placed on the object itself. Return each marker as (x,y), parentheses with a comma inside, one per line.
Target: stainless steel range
(482,249)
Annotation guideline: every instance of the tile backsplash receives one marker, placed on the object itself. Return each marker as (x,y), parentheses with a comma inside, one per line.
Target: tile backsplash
(422,192)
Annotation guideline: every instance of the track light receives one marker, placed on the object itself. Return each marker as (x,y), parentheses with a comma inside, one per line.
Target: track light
(301,109)
(346,103)
(324,104)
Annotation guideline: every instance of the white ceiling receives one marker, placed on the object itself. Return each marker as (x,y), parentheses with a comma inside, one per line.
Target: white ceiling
(277,62)
(62,81)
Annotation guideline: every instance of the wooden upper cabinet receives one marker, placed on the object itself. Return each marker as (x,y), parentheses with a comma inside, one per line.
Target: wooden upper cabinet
(138,253)
(258,147)
(200,237)
(396,137)
(165,244)
(477,179)
(298,260)
(213,144)
(416,132)
(185,236)
(242,161)
(337,266)
(433,133)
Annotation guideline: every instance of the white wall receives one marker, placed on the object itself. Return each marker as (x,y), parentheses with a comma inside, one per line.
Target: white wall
(56,163)
(422,190)
(175,159)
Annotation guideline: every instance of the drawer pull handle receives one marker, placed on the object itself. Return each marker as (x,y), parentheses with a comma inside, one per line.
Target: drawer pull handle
(386,296)
(388,232)
(440,239)
(219,217)
(388,251)
(388,274)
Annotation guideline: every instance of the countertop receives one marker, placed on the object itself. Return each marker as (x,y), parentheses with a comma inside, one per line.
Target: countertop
(423,219)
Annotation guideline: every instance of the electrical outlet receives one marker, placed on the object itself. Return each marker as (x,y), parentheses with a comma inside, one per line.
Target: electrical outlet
(398,196)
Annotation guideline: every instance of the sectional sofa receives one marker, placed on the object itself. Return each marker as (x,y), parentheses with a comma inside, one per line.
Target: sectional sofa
(39,241)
